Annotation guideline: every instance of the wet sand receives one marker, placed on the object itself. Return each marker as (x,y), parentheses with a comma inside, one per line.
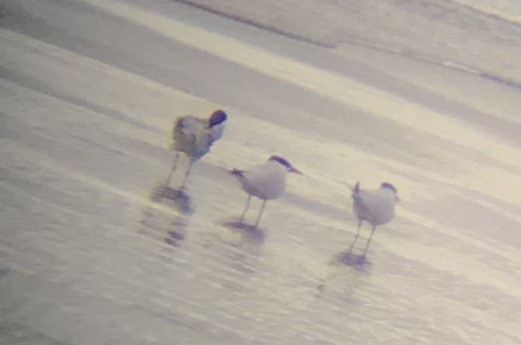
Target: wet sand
(95,249)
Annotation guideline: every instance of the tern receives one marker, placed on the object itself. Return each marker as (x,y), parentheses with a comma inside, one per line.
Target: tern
(194,137)
(374,206)
(266,181)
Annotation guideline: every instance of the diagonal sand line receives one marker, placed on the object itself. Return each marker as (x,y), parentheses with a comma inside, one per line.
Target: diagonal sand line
(320,81)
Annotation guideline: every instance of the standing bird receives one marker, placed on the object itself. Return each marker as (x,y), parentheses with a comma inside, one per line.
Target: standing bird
(265,182)
(374,206)
(194,137)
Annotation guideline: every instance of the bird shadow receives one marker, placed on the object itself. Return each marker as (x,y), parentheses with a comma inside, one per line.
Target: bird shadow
(249,232)
(357,261)
(177,198)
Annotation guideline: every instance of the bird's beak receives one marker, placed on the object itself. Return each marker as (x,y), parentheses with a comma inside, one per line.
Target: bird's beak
(295,171)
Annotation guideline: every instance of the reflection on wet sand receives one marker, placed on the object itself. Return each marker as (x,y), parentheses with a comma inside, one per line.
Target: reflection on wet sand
(243,249)
(171,227)
(347,258)
(164,227)
(178,198)
(175,237)
(249,233)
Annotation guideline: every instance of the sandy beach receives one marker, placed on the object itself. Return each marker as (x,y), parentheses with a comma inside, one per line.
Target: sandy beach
(95,249)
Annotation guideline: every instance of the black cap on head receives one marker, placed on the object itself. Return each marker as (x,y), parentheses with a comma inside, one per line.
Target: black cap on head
(286,164)
(280,160)
(387,185)
(217,118)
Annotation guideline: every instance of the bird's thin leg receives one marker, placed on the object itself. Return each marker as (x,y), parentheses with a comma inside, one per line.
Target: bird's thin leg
(246,209)
(369,240)
(260,213)
(356,237)
(187,172)
(174,166)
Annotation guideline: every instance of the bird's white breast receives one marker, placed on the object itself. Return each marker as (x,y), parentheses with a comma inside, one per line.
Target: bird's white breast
(216,132)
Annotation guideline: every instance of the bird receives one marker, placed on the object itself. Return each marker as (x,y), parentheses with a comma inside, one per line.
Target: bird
(194,136)
(374,206)
(266,181)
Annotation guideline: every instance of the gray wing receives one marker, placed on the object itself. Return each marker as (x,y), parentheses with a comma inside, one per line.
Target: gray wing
(190,136)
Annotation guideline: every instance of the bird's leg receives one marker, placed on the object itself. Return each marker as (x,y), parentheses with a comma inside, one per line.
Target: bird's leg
(260,213)
(174,166)
(369,240)
(187,172)
(356,236)
(246,209)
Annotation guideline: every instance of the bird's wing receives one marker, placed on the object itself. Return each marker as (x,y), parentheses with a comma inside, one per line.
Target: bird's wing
(371,199)
(374,206)
(367,204)
(190,136)
(360,202)
(188,126)
(265,181)
(257,179)
(256,174)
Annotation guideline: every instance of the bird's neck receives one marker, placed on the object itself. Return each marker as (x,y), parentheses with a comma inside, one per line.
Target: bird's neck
(388,193)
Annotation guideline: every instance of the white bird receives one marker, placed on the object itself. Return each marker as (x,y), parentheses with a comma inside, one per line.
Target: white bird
(194,137)
(266,182)
(374,206)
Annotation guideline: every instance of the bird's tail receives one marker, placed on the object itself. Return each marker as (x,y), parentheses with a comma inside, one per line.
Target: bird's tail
(356,190)
(237,173)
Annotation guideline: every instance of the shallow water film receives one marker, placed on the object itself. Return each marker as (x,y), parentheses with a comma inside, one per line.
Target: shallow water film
(96,248)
